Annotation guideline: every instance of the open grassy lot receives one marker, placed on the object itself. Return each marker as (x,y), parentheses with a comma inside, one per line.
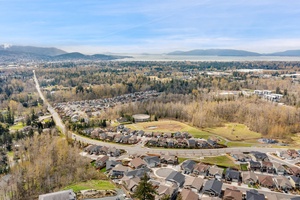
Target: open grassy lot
(92,184)
(16,127)
(222,161)
(234,132)
(169,126)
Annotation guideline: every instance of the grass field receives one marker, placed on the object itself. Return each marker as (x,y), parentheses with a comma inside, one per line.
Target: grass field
(169,126)
(16,127)
(234,132)
(222,161)
(244,167)
(93,184)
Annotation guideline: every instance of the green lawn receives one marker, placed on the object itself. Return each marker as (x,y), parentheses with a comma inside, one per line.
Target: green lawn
(239,144)
(169,126)
(93,184)
(222,161)
(16,127)
(244,167)
(234,132)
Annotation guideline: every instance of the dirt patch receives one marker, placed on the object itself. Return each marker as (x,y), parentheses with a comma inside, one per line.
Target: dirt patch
(168,127)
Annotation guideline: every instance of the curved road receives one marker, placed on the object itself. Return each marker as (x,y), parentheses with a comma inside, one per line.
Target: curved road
(140,149)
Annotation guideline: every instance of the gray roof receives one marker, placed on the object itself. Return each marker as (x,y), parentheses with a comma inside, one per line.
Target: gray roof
(61,195)
(110,164)
(137,172)
(176,177)
(254,195)
(188,164)
(151,159)
(296,179)
(213,185)
(233,174)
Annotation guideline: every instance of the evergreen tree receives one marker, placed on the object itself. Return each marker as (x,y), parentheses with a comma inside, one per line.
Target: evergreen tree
(145,190)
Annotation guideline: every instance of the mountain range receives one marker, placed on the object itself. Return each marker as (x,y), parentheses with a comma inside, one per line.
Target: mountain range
(231,52)
(10,53)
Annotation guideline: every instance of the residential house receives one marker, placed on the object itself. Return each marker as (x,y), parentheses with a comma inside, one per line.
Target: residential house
(102,136)
(249,177)
(125,139)
(103,150)
(110,136)
(188,166)
(118,138)
(259,156)
(293,153)
(137,172)
(114,152)
(283,183)
(133,140)
(186,135)
(232,194)
(195,183)
(137,163)
(61,195)
(215,172)
(201,169)
(169,159)
(295,181)
(279,169)
(176,177)
(254,166)
(268,167)
(140,133)
(118,171)
(187,194)
(166,190)
(111,164)
(167,135)
(152,142)
(232,175)
(254,195)
(191,143)
(131,183)
(152,161)
(202,144)
(239,157)
(177,135)
(101,161)
(212,143)
(294,171)
(213,188)
(266,181)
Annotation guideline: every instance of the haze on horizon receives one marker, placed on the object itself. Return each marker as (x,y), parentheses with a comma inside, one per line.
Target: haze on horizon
(151,26)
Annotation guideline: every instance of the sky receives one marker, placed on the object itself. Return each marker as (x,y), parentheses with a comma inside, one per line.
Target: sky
(151,26)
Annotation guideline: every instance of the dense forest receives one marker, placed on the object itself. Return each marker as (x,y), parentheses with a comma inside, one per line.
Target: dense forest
(260,116)
(47,163)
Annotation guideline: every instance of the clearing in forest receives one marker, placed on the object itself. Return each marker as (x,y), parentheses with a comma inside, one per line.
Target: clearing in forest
(234,132)
(168,126)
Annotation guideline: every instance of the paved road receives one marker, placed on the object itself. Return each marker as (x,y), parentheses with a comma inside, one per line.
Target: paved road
(138,148)
(54,114)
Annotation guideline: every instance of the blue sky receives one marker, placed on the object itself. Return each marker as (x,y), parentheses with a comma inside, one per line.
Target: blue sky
(154,26)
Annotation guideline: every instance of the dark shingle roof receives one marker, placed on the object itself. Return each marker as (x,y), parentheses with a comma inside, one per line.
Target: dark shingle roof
(188,164)
(254,195)
(177,177)
(151,159)
(214,185)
